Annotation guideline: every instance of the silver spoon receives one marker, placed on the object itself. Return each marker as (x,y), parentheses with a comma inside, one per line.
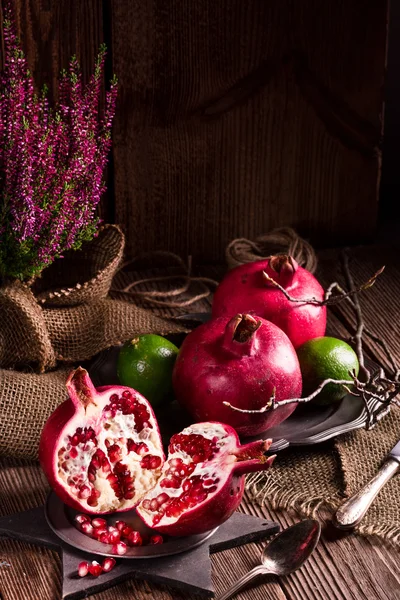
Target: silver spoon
(286,553)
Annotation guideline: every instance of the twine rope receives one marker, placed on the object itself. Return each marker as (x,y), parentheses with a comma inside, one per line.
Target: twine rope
(283,240)
(153,297)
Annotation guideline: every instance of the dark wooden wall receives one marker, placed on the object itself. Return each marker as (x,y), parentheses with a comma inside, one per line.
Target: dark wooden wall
(233,117)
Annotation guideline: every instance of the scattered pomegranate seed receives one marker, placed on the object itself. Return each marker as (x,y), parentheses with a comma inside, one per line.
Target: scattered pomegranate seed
(119,548)
(105,538)
(95,568)
(87,528)
(115,536)
(81,519)
(83,568)
(135,539)
(97,522)
(156,539)
(120,525)
(126,531)
(98,532)
(108,564)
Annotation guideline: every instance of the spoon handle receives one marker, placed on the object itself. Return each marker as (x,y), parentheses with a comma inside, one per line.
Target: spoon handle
(260,570)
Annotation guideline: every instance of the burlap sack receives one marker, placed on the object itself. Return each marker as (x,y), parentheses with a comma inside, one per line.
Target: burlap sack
(65,317)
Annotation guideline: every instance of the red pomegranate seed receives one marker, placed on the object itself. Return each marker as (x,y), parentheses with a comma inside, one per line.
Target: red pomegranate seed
(95,568)
(73,453)
(120,525)
(104,538)
(114,453)
(81,519)
(156,539)
(98,531)
(127,394)
(114,398)
(97,522)
(115,536)
(84,492)
(126,531)
(153,504)
(135,539)
(161,498)
(108,564)
(83,568)
(146,504)
(87,528)
(119,548)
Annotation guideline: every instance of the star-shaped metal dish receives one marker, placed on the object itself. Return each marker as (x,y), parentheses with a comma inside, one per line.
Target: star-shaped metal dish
(189,569)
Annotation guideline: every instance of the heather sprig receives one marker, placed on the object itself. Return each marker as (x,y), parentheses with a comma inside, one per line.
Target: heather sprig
(52,161)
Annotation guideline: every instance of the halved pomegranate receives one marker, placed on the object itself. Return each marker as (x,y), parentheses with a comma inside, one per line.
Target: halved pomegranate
(202,481)
(101,449)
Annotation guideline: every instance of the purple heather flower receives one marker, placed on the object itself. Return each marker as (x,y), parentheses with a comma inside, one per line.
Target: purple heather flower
(51,160)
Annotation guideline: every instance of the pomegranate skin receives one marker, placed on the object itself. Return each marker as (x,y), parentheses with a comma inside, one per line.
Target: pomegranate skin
(228,465)
(214,366)
(84,407)
(245,289)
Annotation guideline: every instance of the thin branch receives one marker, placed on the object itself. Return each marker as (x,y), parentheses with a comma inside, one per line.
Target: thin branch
(329,299)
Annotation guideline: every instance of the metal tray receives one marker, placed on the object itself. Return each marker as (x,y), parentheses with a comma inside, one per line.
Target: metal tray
(61,520)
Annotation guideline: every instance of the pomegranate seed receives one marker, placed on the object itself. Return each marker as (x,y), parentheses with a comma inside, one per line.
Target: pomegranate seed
(95,568)
(114,453)
(81,519)
(127,394)
(119,548)
(156,539)
(154,504)
(187,485)
(200,497)
(114,398)
(135,539)
(108,564)
(146,504)
(104,538)
(75,440)
(208,482)
(83,568)
(120,525)
(98,531)
(97,522)
(73,453)
(115,537)
(126,531)
(161,498)
(87,528)
(84,492)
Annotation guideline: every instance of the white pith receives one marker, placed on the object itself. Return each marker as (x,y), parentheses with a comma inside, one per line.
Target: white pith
(121,426)
(219,467)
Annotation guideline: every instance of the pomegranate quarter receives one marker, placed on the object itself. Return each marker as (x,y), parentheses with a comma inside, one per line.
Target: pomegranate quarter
(101,449)
(202,481)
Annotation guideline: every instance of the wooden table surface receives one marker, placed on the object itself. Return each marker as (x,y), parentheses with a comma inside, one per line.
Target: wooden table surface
(343,567)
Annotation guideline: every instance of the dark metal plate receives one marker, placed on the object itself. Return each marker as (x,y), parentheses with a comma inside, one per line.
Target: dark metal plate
(61,520)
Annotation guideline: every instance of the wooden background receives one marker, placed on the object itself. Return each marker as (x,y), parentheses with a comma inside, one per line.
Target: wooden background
(233,117)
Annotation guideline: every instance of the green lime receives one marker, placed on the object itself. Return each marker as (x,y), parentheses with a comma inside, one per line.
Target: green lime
(326,358)
(145,364)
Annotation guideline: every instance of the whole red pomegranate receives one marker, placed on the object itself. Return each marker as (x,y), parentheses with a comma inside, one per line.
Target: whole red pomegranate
(101,449)
(247,289)
(241,360)
(202,481)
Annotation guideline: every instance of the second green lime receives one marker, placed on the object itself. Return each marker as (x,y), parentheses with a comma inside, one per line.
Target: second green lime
(326,358)
(145,363)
